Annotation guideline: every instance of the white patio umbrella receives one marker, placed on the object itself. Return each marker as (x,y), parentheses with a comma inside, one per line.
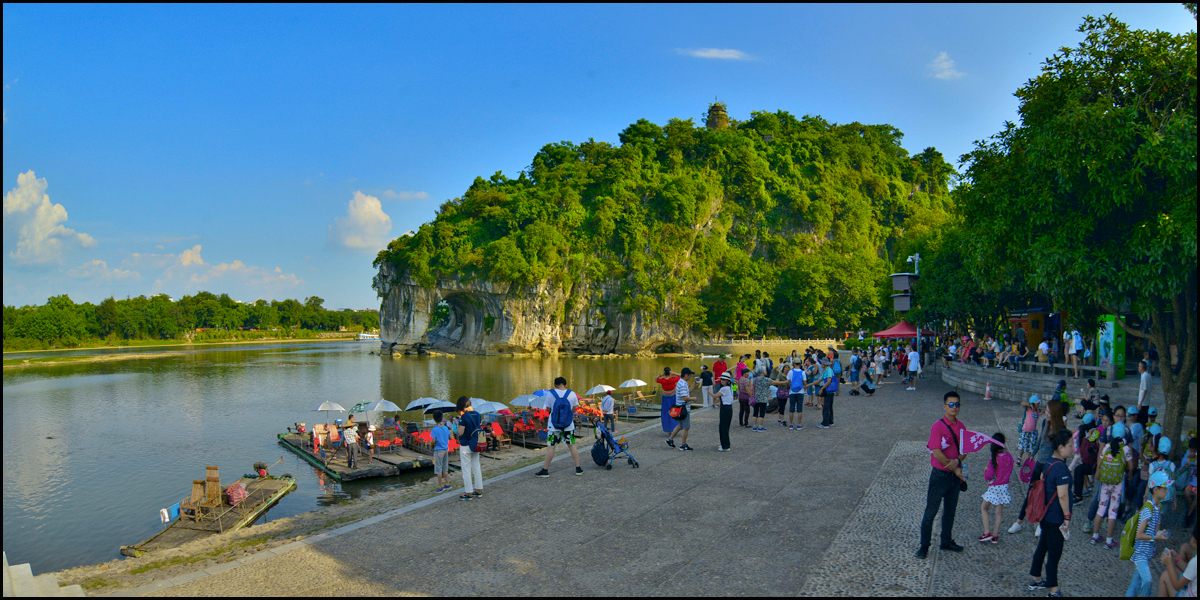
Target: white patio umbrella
(328,406)
(440,404)
(483,406)
(632,383)
(382,405)
(419,402)
(524,400)
(600,389)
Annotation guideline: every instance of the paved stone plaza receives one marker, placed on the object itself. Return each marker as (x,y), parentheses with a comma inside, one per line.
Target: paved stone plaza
(814,512)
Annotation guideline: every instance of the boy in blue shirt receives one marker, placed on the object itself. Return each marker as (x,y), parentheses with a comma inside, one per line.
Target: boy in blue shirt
(441,452)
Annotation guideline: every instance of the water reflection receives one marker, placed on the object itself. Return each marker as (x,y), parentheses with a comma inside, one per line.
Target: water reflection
(129,436)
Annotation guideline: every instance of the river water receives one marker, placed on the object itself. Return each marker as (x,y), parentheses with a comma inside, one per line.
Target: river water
(92,451)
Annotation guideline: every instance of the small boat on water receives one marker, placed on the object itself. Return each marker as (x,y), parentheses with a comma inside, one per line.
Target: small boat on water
(367,337)
(202,514)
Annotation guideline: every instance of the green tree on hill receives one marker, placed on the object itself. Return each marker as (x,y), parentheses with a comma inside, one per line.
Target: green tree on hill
(709,227)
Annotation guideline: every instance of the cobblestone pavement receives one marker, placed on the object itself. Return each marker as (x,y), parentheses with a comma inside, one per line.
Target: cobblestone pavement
(812,512)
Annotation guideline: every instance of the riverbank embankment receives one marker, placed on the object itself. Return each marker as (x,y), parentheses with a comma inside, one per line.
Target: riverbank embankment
(122,574)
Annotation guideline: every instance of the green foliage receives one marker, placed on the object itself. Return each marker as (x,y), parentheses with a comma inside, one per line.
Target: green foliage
(709,228)
(1092,198)
(60,323)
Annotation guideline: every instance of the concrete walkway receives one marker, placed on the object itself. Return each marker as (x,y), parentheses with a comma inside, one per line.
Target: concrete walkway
(812,512)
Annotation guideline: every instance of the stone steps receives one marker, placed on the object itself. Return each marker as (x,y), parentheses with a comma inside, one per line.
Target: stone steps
(1018,386)
(19,582)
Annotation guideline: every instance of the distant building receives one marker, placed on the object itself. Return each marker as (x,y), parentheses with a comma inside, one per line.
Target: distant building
(717,117)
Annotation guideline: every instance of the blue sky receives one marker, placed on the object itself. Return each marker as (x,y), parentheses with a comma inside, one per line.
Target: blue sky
(271,151)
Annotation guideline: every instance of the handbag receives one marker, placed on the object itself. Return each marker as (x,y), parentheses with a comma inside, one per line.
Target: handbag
(962,483)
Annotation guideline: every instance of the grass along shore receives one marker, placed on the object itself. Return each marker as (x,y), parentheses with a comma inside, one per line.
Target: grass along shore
(152,347)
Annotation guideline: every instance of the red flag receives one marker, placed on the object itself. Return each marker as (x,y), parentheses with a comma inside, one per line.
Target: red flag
(974,441)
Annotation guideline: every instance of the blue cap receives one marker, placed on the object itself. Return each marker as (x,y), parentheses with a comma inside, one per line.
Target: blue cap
(1154,429)
(1034,399)
(1118,430)
(1153,411)
(1132,410)
(1089,418)
(1159,479)
(1164,445)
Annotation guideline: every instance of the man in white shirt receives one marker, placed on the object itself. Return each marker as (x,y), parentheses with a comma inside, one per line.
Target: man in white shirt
(682,399)
(607,403)
(554,436)
(914,365)
(1143,390)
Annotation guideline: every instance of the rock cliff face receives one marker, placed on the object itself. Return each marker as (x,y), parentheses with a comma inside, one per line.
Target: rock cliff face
(490,318)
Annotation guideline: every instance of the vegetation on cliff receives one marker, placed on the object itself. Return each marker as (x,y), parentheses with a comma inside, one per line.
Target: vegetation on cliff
(775,222)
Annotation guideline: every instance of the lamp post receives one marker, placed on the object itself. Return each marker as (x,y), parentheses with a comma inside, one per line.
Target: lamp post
(902,282)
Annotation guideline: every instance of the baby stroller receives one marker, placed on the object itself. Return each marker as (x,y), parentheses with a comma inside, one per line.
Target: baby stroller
(607,448)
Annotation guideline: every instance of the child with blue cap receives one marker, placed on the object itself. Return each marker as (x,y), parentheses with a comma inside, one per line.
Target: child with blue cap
(1148,534)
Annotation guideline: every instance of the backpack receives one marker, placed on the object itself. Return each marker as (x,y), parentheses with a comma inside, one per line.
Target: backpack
(562,415)
(1087,450)
(1129,533)
(1112,468)
(1035,508)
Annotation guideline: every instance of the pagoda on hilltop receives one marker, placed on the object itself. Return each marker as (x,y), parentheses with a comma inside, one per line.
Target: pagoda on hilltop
(717,117)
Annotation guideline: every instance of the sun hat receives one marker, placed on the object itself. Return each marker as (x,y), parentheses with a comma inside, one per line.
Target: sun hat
(1164,445)
(1154,429)
(370,428)
(1089,418)
(1118,430)
(727,375)
(1159,479)
(1153,411)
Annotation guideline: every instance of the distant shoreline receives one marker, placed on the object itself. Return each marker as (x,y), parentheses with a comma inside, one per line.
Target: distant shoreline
(150,352)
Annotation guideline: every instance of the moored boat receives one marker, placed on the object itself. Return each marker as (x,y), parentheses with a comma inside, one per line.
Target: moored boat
(201,517)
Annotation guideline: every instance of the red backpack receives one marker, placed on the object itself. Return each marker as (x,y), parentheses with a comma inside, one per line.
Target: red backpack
(1035,509)
(1087,450)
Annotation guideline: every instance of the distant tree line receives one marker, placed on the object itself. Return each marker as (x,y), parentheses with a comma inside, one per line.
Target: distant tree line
(60,322)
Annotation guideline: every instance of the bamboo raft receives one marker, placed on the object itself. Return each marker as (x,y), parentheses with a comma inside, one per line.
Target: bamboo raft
(386,464)
(262,494)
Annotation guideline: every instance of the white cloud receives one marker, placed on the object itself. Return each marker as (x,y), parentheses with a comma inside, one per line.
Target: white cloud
(393,195)
(943,67)
(245,274)
(98,270)
(41,232)
(365,226)
(191,256)
(724,54)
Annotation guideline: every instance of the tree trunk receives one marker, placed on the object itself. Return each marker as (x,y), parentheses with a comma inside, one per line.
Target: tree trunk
(1181,333)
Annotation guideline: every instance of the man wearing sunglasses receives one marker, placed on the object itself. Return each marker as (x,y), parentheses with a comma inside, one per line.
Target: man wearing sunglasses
(946,478)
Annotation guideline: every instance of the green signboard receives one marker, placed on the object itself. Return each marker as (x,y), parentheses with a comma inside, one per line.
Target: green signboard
(1111,342)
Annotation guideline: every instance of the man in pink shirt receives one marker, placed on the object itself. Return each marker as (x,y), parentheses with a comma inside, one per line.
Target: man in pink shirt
(945,449)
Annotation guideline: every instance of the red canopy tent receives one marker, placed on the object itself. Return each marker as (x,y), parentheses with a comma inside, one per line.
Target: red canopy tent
(902,330)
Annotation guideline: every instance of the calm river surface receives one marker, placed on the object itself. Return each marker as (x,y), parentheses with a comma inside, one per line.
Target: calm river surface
(129,436)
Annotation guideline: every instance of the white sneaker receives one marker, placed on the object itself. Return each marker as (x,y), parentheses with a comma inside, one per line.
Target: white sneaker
(721,449)
(1016,527)
(1038,533)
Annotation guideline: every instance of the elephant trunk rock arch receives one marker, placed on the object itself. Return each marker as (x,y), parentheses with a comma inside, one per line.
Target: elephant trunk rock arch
(490,318)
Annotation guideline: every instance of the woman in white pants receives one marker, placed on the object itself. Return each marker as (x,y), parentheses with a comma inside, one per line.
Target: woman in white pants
(468,434)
